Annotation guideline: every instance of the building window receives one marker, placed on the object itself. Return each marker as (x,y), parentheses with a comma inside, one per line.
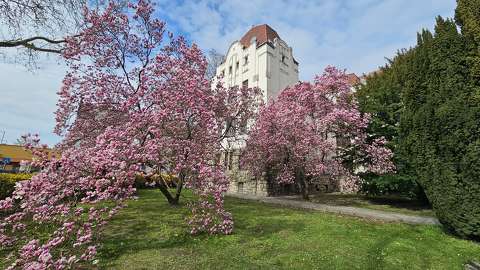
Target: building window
(230,70)
(225,161)
(237,66)
(245,60)
(283,58)
(230,161)
(218,157)
(245,83)
(240,160)
(223,73)
(240,187)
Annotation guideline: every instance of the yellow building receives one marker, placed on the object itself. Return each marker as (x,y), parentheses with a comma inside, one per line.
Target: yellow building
(12,155)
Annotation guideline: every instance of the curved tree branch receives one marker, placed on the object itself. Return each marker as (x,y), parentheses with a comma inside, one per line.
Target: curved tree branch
(28,43)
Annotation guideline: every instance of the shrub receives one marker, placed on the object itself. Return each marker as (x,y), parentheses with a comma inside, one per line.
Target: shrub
(393,184)
(8,180)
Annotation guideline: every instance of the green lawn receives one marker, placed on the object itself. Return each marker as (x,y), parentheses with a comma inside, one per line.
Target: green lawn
(149,234)
(389,204)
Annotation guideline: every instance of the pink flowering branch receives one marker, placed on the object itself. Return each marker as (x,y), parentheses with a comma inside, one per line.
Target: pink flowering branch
(314,130)
(133,102)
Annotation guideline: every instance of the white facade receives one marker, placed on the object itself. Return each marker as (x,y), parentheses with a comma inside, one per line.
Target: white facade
(259,59)
(266,62)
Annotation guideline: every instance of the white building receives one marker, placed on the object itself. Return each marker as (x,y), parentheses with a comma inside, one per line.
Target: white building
(260,59)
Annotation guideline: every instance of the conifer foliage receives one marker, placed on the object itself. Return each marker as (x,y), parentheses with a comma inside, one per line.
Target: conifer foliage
(440,127)
(436,116)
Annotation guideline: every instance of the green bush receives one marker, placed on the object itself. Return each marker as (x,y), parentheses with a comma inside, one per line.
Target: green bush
(8,180)
(393,184)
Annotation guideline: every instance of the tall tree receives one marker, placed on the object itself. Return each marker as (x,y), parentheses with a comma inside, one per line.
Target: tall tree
(440,127)
(214,59)
(381,97)
(132,103)
(293,140)
(467,16)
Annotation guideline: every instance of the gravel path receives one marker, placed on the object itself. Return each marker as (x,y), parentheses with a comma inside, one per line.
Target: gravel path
(344,210)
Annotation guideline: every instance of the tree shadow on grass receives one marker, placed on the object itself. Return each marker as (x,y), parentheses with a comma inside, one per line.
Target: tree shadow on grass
(126,235)
(151,224)
(262,220)
(379,251)
(362,201)
(399,203)
(376,255)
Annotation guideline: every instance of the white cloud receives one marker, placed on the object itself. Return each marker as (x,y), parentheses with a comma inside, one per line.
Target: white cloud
(28,100)
(354,34)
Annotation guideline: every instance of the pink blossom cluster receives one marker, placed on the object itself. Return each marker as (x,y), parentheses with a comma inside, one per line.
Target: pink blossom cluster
(51,201)
(313,130)
(144,106)
(132,103)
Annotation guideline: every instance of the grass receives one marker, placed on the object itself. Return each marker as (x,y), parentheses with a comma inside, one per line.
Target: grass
(389,204)
(149,234)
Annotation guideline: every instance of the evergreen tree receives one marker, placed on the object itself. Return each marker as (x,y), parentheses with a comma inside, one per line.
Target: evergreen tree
(380,96)
(467,16)
(440,127)
(427,102)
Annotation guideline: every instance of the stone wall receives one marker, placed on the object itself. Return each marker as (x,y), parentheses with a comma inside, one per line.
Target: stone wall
(241,181)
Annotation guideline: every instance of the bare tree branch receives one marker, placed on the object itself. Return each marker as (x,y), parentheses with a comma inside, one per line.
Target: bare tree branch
(27,43)
(35,27)
(214,60)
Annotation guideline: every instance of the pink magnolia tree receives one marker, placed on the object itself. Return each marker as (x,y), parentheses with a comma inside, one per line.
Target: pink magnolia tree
(133,102)
(314,130)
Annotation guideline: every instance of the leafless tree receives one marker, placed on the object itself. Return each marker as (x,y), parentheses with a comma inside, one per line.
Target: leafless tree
(38,26)
(214,59)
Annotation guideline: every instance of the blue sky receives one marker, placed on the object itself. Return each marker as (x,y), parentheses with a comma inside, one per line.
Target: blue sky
(355,35)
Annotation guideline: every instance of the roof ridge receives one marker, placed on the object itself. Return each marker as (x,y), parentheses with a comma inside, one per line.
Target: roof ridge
(262,32)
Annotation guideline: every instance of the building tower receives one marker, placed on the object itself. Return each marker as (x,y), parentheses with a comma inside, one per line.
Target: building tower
(260,59)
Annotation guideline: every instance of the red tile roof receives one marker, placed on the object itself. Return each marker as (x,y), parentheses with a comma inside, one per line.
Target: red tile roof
(263,33)
(353,79)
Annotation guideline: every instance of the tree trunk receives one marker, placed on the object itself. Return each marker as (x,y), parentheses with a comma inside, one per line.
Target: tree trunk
(305,191)
(179,187)
(171,200)
(300,177)
(164,189)
(302,186)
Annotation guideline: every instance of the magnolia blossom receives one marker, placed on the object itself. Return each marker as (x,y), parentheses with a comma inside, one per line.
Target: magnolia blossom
(313,130)
(133,102)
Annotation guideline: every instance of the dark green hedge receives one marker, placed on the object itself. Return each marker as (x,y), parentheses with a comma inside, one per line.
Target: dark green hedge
(440,128)
(393,184)
(426,102)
